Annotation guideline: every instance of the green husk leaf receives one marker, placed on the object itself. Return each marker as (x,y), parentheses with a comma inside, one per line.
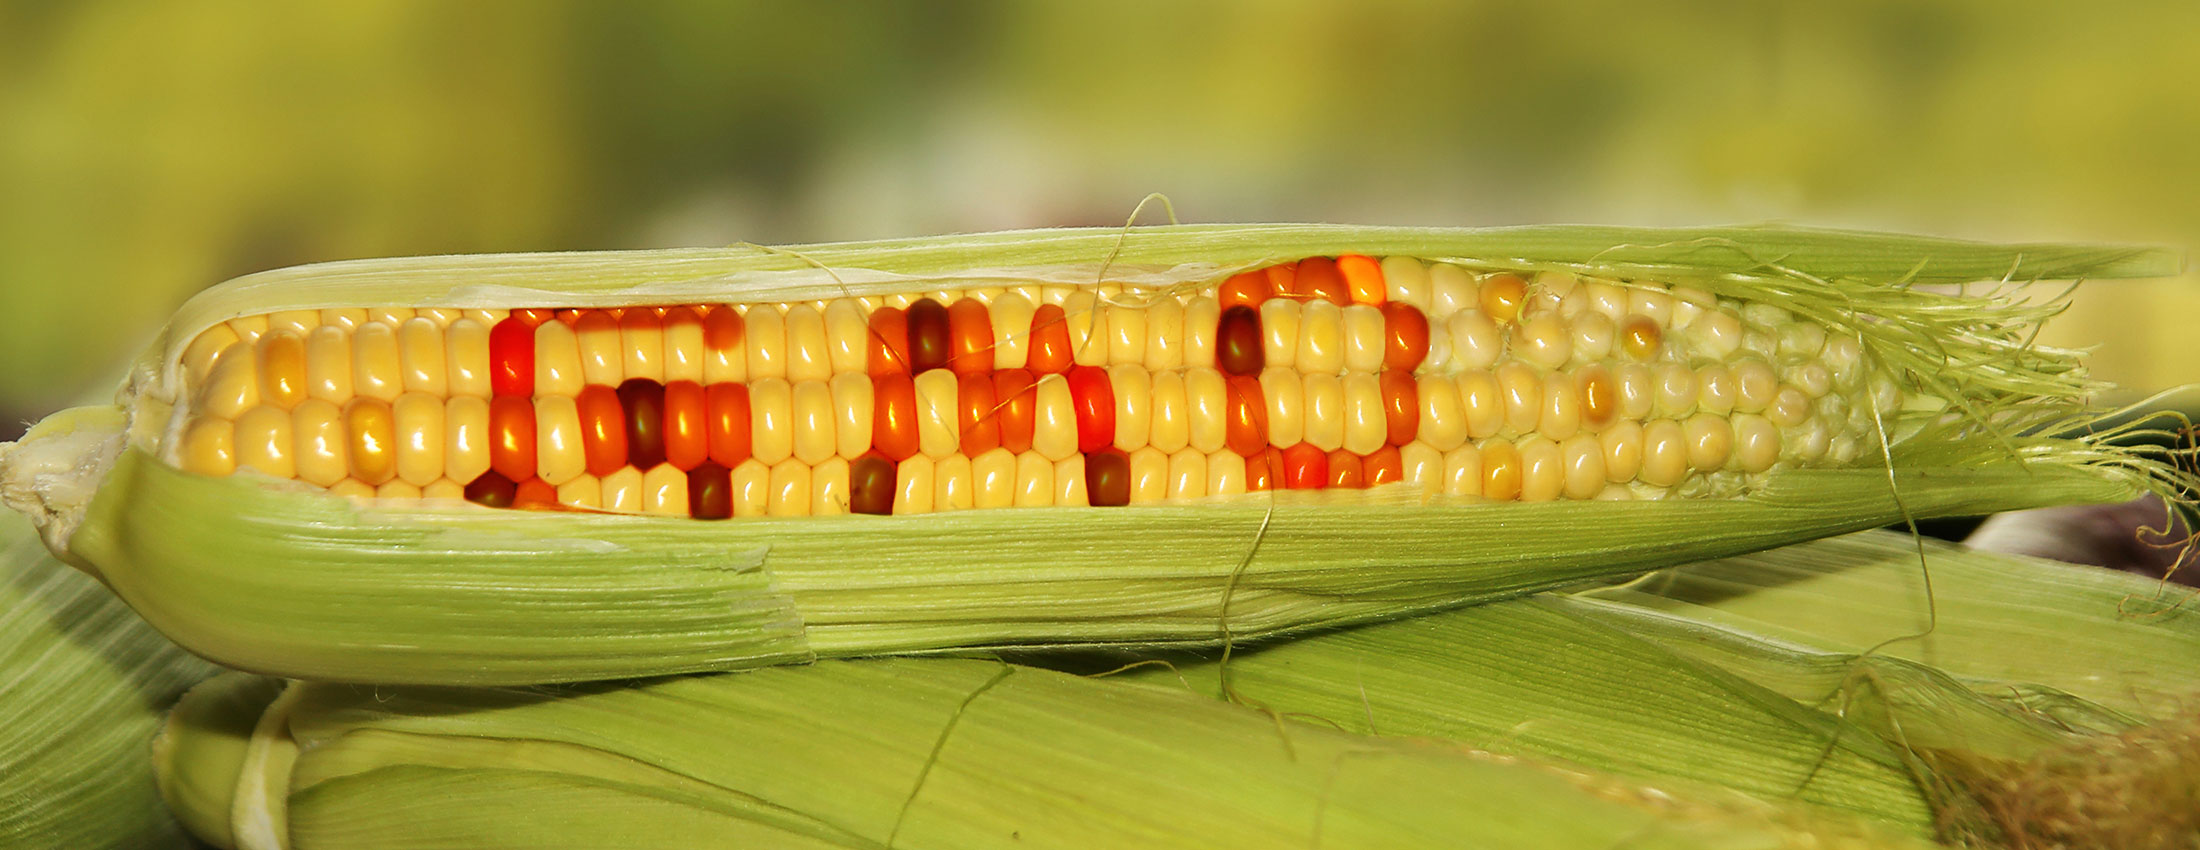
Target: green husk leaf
(915,753)
(2128,644)
(1533,678)
(203,749)
(2057,709)
(83,685)
(1649,690)
(281,579)
(315,587)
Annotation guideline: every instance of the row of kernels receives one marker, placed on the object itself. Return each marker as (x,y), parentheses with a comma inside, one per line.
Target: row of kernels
(199,356)
(283,369)
(1442,290)
(999,478)
(1342,281)
(1659,453)
(347,319)
(940,414)
(1318,336)
(800,342)
(418,438)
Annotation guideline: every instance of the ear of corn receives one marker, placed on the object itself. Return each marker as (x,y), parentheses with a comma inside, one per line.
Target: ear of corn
(283,576)
(941,753)
(83,684)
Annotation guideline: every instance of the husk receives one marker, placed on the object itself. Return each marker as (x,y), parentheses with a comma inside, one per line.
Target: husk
(1657,689)
(206,746)
(83,684)
(2058,707)
(2128,644)
(1532,678)
(317,588)
(944,753)
(280,579)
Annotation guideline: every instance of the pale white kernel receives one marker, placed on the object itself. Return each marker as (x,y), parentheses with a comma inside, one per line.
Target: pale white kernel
(1654,303)
(1593,335)
(1543,341)
(1475,342)
(1451,289)
(1406,280)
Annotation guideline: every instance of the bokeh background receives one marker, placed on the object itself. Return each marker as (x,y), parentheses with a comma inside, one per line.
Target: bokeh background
(151,148)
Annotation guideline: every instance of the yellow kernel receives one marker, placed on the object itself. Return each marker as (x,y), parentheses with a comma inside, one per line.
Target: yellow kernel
(199,356)
(1542,470)
(1034,480)
(1583,460)
(1188,474)
(790,489)
(328,364)
(1279,327)
(1406,279)
(665,491)
(1522,389)
(829,487)
(1622,446)
(1756,442)
(376,368)
(208,447)
(264,443)
(1710,441)
(1451,289)
(371,433)
(1501,471)
(1664,453)
(1718,388)
(1463,471)
(1502,296)
(1544,342)
(282,368)
(1325,413)
(320,448)
(1561,407)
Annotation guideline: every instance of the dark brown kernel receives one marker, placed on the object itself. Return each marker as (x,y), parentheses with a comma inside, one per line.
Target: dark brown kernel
(710,491)
(492,490)
(931,341)
(871,485)
(644,403)
(1108,479)
(1238,347)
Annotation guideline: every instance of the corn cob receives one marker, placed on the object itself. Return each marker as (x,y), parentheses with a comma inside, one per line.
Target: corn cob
(1272,410)
(913,753)
(1305,376)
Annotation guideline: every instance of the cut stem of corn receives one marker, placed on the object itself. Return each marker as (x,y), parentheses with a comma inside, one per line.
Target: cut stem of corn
(1081,437)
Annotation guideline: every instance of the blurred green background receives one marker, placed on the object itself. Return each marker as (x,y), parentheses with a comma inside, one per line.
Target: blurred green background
(148,149)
